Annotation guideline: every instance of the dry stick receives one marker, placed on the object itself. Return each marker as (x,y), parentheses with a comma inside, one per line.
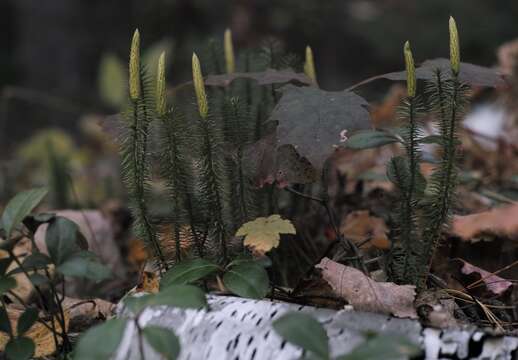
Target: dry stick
(345,241)
(493,319)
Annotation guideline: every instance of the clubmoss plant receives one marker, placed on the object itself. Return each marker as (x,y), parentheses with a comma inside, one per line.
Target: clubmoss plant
(405,173)
(424,215)
(448,101)
(230,60)
(309,65)
(211,164)
(134,149)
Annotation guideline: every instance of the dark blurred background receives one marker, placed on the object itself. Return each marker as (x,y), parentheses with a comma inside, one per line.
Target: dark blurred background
(52,52)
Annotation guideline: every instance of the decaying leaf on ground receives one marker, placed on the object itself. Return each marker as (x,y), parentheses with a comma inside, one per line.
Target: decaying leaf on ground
(365,294)
(365,230)
(501,221)
(494,283)
(263,234)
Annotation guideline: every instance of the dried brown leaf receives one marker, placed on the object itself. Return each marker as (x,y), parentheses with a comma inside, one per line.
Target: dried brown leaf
(360,227)
(499,222)
(494,283)
(365,294)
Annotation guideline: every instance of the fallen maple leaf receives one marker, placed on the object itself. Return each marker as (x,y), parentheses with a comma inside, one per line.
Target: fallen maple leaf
(494,283)
(263,234)
(501,222)
(362,228)
(365,294)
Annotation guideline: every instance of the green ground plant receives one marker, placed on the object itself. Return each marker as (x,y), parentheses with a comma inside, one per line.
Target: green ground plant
(424,205)
(232,146)
(68,256)
(215,148)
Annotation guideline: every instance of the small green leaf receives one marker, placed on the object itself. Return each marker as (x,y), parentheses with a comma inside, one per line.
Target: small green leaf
(370,139)
(137,303)
(263,261)
(304,331)
(431,139)
(62,239)
(38,279)
(36,261)
(26,320)
(4,264)
(6,284)
(101,341)
(84,264)
(182,296)
(247,280)
(20,348)
(19,207)
(5,324)
(163,341)
(187,272)
(387,347)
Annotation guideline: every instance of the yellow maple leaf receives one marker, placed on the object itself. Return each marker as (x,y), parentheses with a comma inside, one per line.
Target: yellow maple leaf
(263,233)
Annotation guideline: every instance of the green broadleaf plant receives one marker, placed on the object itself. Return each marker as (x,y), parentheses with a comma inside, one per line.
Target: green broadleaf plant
(26,320)
(370,139)
(305,331)
(187,272)
(101,341)
(20,348)
(163,341)
(19,207)
(247,279)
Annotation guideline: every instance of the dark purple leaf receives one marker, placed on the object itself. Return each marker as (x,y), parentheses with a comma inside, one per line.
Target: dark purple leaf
(471,74)
(267,77)
(266,163)
(315,122)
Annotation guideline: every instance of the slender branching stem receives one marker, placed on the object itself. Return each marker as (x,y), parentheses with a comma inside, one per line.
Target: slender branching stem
(214,184)
(332,219)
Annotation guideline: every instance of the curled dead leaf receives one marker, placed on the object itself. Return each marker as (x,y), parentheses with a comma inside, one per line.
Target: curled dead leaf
(499,222)
(362,228)
(494,283)
(365,294)
(93,308)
